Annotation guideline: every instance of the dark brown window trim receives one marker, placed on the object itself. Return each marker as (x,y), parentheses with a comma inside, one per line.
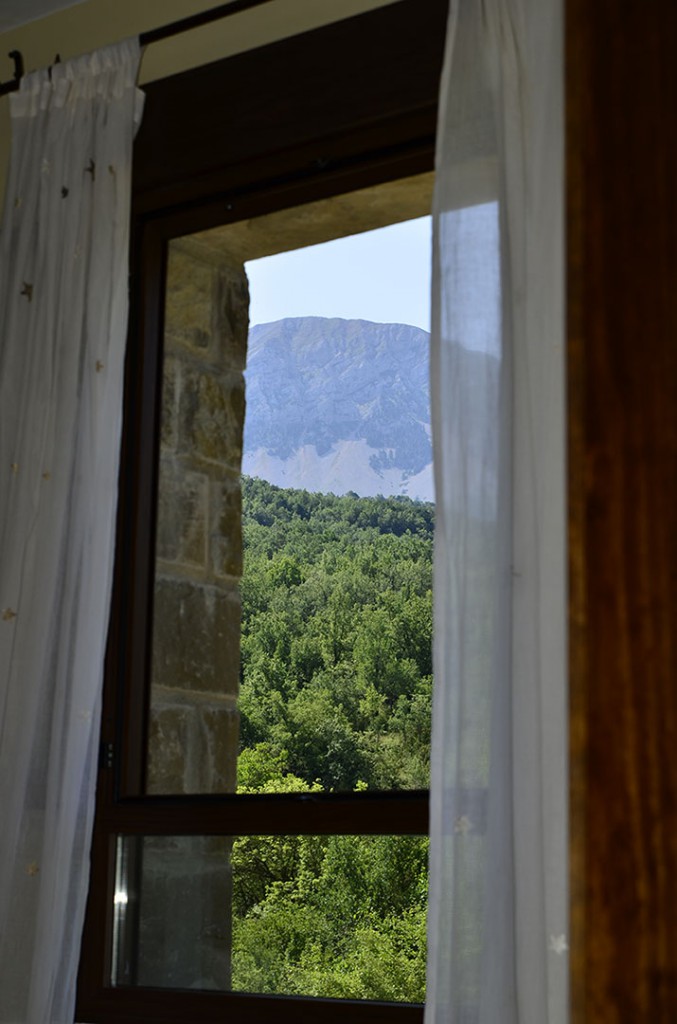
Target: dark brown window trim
(356,107)
(368,84)
(402,813)
(181,1007)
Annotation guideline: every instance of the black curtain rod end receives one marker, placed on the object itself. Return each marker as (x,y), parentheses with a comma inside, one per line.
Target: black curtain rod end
(13,84)
(17,57)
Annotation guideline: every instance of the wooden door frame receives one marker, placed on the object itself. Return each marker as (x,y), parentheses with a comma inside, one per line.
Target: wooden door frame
(621,96)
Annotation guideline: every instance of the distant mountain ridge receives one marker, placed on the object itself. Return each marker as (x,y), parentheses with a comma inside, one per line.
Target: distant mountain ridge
(339,405)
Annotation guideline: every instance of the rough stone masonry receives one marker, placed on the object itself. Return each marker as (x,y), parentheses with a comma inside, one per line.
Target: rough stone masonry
(196,623)
(185,882)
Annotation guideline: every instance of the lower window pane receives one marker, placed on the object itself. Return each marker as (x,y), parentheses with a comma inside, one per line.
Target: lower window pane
(335,916)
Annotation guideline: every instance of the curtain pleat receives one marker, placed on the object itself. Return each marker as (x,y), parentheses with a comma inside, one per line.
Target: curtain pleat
(498,865)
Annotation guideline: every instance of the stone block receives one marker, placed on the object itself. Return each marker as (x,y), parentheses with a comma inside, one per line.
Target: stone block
(168,750)
(183,497)
(196,636)
(169,422)
(184,926)
(231,317)
(189,300)
(211,416)
(219,734)
(192,745)
(226,529)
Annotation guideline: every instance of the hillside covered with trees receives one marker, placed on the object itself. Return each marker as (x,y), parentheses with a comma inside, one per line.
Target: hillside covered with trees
(336,639)
(335,695)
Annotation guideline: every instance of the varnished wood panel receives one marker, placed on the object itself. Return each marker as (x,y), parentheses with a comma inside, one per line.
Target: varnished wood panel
(622,325)
(293,108)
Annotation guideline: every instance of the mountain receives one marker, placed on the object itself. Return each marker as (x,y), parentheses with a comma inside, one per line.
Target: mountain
(339,405)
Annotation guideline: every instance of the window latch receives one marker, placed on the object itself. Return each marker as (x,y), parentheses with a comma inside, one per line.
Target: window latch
(106,755)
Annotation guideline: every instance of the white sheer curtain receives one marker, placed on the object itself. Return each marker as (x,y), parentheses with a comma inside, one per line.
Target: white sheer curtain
(498,906)
(63,311)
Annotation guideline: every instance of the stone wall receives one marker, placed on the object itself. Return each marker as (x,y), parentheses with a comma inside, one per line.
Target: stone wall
(182,907)
(184,926)
(196,627)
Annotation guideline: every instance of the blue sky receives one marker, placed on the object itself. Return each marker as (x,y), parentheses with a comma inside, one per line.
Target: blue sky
(381,275)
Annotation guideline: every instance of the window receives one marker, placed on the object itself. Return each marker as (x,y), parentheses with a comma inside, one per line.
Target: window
(375,126)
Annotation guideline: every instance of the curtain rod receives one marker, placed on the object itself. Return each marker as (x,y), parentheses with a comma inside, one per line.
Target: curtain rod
(154,35)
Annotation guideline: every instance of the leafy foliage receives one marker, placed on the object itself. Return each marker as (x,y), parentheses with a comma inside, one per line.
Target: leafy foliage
(336,635)
(335,695)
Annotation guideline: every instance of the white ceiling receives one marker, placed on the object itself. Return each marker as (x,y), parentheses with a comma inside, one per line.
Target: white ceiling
(17,12)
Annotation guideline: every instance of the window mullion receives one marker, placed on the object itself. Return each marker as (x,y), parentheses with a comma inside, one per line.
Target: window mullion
(292,814)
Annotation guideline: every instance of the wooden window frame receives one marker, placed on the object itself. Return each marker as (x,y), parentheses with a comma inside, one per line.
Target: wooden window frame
(309,123)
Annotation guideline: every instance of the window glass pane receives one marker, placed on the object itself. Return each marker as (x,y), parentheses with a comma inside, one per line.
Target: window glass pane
(292,605)
(335,916)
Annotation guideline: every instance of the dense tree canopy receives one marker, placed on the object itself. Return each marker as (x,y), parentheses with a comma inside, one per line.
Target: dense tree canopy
(335,695)
(336,637)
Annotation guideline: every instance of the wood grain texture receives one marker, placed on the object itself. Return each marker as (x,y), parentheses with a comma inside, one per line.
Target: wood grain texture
(292,108)
(622,323)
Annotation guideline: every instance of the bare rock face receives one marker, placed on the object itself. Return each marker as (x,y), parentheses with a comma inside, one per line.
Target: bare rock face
(339,405)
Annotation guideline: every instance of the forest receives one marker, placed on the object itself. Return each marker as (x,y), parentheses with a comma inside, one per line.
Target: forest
(335,695)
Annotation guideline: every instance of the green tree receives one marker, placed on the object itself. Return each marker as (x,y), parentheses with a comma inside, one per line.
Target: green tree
(335,695)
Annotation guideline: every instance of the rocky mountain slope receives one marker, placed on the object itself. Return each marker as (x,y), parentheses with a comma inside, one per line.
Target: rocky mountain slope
(339,405)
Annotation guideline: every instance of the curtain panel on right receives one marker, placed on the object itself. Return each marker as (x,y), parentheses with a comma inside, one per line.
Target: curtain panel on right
(498,891)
